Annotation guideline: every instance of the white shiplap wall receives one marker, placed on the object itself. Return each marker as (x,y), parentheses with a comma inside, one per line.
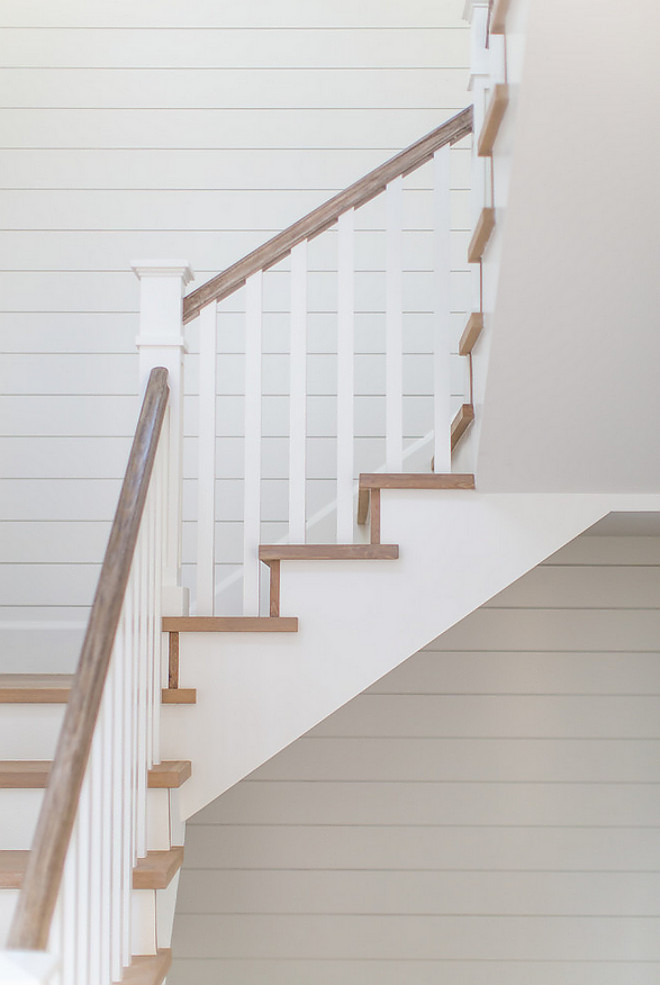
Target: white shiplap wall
(487,813)
(143,128)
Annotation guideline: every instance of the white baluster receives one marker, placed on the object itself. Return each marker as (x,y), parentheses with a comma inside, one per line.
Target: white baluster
(130,767)
(252,445)
(205,602)
(394,329)
(345,375)
(298,396)
(83,857)
(442,278)
(140,652)
(94,930)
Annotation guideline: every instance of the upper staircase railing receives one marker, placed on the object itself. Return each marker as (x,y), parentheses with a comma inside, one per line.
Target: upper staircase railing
(92,824)
(421,250)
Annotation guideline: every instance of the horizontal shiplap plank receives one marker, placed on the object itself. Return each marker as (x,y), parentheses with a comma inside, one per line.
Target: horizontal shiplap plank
(571,587)
(59,457)
(241,48)
(110,250)
(256,88)
(29,373)
(48,584)
(488,760)
(456,937)
(110,416)
(558,716)
(53,542)
(208,14)
(254,971)
(64,499)
(390,846)
(247,129)
(155,209)
(462,803)
(608,550)
(554,629)
(570,672)
(414,893)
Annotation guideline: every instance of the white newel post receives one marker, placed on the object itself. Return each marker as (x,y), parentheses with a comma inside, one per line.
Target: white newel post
(161,343)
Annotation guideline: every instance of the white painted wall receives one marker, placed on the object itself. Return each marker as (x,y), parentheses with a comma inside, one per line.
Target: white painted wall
(487,812)
(197,130)
(571,398)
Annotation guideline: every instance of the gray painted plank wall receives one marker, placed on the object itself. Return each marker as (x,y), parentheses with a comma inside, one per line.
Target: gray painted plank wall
(486,813)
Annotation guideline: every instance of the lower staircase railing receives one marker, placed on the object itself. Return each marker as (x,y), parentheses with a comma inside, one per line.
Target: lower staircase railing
(75,900)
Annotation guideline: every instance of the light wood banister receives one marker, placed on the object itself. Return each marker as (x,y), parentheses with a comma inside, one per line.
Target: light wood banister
(321,218)
(31,925)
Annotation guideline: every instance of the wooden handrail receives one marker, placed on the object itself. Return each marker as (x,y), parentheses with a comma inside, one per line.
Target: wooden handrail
(321,218)
(31,925)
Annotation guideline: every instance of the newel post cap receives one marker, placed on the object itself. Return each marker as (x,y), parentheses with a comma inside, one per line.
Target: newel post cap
(163,268)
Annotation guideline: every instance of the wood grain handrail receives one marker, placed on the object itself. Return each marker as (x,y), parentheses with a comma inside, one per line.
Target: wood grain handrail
(31,924)
(321,218)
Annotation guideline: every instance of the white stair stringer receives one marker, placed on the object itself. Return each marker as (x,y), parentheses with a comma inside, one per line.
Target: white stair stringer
(358,620)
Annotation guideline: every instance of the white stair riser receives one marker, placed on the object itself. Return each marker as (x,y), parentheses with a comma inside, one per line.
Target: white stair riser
(19,810)
(30,731)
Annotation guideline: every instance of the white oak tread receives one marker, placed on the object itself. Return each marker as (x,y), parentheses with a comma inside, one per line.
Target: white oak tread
(407,480)
(461,423)
(497,106)
(156,871)
(55,689)
(328,552)
(32,774)
(179,695)
(230,624)
(471,333)
(148,969)
(481,235)
(35,688)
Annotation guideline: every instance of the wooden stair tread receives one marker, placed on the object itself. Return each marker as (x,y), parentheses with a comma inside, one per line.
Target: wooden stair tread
(55,689)
(481,235)
(147,969)
(156,871)
(416,480)
(461,423)
(32,774)
(407,480)
(328,552)
(169,774)
(230,624)
(471,333)
(499,101)
(35,688)
(179,696)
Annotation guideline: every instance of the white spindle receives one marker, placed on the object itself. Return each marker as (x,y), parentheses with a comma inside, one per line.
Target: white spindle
(442,279)
(394,329)
(252,445)
(142,691)
(345,375)
(205,603)
(298,395)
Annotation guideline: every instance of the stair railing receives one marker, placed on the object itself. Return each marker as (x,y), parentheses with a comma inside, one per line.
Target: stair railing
(202,305)
(75,900)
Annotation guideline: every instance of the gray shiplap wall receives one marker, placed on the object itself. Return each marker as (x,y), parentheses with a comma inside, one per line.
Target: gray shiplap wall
(133,129)
(486,813)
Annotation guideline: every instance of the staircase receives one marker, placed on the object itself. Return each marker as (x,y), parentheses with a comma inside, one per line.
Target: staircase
(410,554)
